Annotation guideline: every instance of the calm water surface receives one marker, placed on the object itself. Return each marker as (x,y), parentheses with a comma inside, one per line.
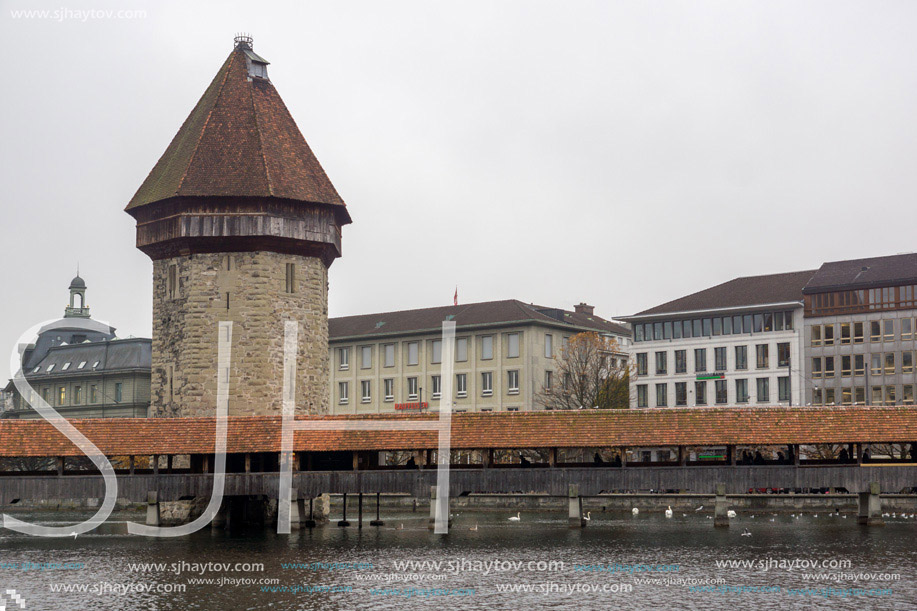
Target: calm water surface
(536,563)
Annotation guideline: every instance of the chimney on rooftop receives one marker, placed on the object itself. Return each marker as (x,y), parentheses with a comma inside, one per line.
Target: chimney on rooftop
(584,308)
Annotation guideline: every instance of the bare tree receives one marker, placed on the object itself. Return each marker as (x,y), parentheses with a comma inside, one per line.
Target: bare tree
(590,371)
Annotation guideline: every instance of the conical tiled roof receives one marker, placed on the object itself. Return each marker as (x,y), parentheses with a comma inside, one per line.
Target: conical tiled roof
(239,141)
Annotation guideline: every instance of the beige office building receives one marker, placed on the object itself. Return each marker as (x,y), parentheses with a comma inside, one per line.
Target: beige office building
(504,355)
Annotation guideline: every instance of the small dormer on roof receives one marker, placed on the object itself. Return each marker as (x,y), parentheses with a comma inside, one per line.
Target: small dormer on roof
(257,65)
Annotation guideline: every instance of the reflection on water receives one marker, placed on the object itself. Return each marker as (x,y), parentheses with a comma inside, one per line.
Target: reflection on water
(483,559)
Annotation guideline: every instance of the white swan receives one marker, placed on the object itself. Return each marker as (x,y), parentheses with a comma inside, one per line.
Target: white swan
(475,527)
(634,511)
(587,516)
(699,508)
(746,533)
(516,517)
(668,512)
(730,514)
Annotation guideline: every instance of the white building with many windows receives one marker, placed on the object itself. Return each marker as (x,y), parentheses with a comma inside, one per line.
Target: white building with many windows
(504,356)
(733,344)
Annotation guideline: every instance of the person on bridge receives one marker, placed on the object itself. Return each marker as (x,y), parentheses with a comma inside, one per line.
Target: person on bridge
(524,461)
(843,456)
(597,459)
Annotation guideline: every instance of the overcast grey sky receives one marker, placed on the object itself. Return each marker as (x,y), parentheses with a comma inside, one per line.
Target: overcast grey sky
(619,153)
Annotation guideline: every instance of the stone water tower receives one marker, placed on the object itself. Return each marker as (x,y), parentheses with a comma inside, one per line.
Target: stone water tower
(241,223)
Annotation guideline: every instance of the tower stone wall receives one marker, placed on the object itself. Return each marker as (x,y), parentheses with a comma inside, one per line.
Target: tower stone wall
(193,293)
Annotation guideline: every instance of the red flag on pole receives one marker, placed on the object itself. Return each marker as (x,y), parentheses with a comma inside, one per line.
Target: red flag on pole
(455,299)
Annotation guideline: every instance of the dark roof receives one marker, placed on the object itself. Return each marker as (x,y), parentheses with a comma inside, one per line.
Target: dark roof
(77,283)
(466,315)
(864,273)
(748,291)
(239,141)
(556,429)
(112,356)
(52,335)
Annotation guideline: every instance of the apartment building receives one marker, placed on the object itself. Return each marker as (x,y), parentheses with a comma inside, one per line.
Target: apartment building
(860,318)
(737,343)
(504,356)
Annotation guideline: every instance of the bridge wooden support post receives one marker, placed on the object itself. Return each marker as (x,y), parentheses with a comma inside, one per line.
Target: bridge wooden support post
(360,510)
(343,522)
(720,507)
(155,464)
(131,463)
(310,522)
(682,456)
(870,507)
(623,456)
(248,462)
(575,507)
(377,521)
(731,455)
(859,450)
(60,465)
(796,454)
(221,519)
(552,457)
(169,464)
(152,508)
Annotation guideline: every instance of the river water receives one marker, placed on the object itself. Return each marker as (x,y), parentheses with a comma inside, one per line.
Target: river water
(618,562)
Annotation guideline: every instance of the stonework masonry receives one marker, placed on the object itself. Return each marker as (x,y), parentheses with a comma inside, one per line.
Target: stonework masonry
(257,291)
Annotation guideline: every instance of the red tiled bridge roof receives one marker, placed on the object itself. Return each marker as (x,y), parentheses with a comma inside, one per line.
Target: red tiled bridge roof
(694,426)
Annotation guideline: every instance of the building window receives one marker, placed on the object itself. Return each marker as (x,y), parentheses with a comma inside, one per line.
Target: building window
(817,396)
(875,364)
(343,358)
(830,398)
(763,390)
(846,365)
(389,355)
(889,395)
(858,337)
(889,363)
(783,388)
(907,394)
(741,391)
(660,363)
(461,385)
(783,354)
(681,393)
(77,395)
(816,335)
(487,347)
(846,396)
(816,367)
(845,333)
(641,395)
(700,393)
(412,389)
(437,351)
(662,394)
(859,364)
(413,353)
(719,359)
(829,335)
(61,395)
(549,345)
(461,349)
(907,362)
(512,382)
(93,393)
(876,396)
(888,327)
(907,328)
(366,357)
(513,345)
(681,361)
(859,395)
(829,366)
(343,392)
(641,363)
(700,359)
(118,387)
(173,281)
(741,357)
(437,386)
(548,380)
(366,394)
(290,280)
(389,385)
(761,356)
(875,331)
(487,383)
(720,388)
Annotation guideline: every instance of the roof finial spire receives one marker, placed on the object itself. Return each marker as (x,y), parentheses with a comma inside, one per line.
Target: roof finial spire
(243,40)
